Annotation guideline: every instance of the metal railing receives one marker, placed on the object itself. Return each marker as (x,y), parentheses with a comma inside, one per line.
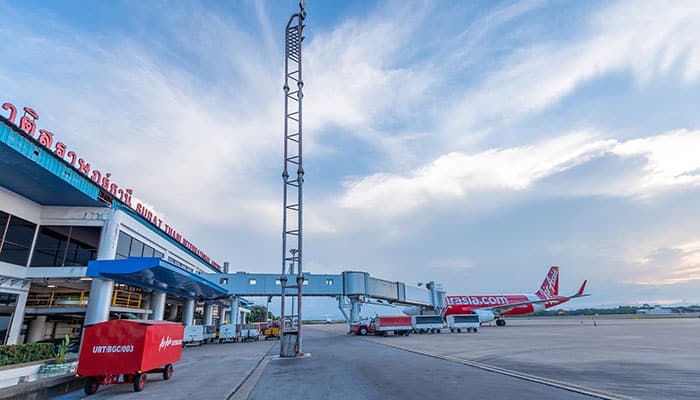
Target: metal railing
(57,299)
(124,298)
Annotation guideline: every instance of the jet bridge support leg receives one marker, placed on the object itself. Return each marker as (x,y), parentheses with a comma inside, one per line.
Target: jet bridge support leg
(341,307)
(355,308)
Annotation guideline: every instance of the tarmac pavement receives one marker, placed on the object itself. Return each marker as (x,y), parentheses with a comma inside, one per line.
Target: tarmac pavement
(350,367)
(211,371)
(637,358)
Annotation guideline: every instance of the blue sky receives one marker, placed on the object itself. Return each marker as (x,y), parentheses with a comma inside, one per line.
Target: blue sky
(470,143)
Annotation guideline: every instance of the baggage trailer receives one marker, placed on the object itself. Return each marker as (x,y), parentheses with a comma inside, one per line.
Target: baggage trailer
(209,333)
(400,325)
(427,323)
(250,332)
(193,334)
(457,322)
(228,333)
(123,351)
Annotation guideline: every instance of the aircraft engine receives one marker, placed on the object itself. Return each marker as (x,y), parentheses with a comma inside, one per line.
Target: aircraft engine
(485,315)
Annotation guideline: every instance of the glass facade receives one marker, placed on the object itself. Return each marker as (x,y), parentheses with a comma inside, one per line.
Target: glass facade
(5,320)
(8,299)
(16,236)
(128,246)
(66,246)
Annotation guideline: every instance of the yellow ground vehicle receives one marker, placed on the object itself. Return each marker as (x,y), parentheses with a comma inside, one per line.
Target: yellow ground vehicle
(272,330)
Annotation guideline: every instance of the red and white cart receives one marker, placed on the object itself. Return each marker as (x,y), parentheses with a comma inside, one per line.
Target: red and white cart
(124,351)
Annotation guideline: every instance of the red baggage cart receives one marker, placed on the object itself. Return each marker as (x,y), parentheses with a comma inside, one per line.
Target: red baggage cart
(124,351)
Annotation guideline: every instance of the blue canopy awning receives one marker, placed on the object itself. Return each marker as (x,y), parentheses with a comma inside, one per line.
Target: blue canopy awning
(157,274)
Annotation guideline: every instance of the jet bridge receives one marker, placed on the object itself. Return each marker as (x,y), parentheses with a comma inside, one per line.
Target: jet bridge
(350,288)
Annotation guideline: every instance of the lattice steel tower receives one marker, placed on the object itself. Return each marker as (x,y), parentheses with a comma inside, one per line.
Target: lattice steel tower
(290,332)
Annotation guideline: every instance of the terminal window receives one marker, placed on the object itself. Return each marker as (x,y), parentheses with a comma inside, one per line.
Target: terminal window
(66,246)
(16,236)
(128,246)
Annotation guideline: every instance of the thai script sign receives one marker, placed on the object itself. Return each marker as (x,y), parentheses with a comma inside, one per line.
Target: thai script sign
(27,123)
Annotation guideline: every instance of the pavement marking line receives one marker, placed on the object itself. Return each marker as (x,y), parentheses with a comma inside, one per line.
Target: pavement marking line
(242,391)
(520,375)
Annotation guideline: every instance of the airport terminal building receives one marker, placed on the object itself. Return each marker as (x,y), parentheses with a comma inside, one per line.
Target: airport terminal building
(76,248)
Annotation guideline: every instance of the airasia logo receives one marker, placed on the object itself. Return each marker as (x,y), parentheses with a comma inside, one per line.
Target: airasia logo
(166,342)
(476,300)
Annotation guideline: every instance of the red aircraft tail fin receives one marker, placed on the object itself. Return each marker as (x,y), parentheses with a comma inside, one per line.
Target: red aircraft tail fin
(550,286)
(580,291)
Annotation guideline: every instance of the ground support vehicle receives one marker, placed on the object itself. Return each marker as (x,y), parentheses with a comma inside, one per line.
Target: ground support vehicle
(209,333)
(427,323)
(193,335)
(250,332)
(272,331)
(124,351)
(469,322)
(400,325)
(228,333)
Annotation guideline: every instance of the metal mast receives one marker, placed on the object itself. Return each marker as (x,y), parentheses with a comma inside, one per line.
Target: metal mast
(290,332)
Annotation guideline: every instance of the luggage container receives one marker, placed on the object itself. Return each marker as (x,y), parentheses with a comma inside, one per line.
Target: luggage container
(457,322)
(250,332)
(228,333)
(124,351)
(427,323)
(193,334)
(209,333)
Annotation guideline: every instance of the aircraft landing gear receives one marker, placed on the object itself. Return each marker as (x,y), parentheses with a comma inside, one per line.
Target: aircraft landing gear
(501,322)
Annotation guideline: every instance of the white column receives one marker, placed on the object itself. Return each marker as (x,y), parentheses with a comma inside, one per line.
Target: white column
(17,319)
(108,238)
(158,304)
(173,312)
(36,329)
(146,305)
(234,310)
(100,301)
(208,314)
(188,312)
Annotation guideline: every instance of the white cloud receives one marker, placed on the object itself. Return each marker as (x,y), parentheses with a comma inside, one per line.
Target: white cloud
(672,159)
(642,37)
(675,265)
(670,162)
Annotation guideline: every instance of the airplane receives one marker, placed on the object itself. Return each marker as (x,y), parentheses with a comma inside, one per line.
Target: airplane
(494,307)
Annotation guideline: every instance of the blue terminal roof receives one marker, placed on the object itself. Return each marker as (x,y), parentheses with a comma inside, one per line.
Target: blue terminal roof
(35,172)
(157,274)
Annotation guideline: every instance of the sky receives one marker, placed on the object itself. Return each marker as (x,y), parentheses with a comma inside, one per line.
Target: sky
(474,144)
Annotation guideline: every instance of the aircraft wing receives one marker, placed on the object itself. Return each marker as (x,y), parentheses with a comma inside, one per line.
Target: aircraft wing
(498,309)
